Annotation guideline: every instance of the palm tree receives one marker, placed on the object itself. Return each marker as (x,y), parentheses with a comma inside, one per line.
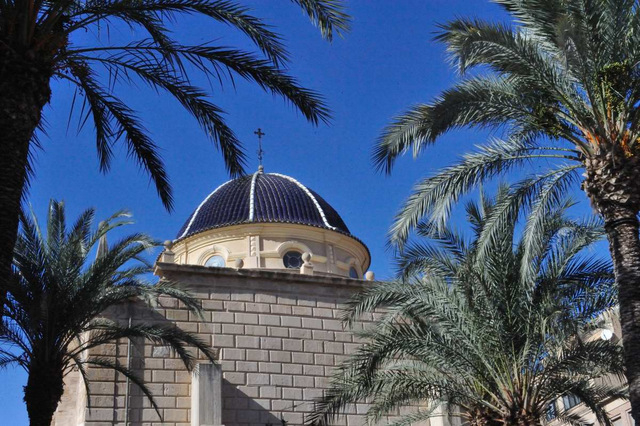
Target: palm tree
(56,295)
(41,41)
(561,85)
(494,335)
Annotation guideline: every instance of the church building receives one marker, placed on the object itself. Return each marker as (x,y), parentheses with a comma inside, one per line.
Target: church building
(272,263)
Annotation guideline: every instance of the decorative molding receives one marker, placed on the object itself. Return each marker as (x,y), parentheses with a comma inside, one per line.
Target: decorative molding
(295,230)
(171,270)
(253,245)
(353,262)
(237,255)
(273,254)
(330,247)
(330,254)
(213,251)
(252,196)
(292,244)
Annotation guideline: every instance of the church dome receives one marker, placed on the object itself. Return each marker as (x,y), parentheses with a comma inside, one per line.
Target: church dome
(270,222)
(262,198)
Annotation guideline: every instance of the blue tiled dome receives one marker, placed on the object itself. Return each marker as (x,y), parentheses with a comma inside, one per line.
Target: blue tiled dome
(262,198)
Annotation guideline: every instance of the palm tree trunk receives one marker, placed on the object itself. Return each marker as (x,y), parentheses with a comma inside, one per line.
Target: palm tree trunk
(24,89)
(42,393)
(613,185)
(624,244)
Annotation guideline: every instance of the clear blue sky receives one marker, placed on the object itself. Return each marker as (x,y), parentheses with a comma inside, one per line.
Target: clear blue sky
(385,64)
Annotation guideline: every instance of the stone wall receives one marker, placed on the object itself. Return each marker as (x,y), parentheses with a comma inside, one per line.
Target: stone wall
(279,336)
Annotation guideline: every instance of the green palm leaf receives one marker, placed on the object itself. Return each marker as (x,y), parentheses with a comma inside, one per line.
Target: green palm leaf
(561,79)
(58,295)
(470,330)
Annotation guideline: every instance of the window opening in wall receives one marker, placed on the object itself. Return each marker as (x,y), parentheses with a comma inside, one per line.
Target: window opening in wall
(353,273)
(552,413)
(292,259)
(215,262)
(570,401)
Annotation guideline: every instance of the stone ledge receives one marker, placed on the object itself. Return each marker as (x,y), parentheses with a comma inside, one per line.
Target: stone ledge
(161,268)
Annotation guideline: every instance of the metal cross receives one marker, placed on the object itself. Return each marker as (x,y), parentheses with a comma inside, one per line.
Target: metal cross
(260,134)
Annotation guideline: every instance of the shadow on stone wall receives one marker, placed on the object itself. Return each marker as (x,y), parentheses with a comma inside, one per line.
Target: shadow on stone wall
(240,408)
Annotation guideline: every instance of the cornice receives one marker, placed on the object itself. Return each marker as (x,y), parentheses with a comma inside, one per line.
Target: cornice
(162,269)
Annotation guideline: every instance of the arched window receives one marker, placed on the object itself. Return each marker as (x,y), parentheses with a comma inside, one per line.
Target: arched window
(353,273)
(292,259)
(215,262)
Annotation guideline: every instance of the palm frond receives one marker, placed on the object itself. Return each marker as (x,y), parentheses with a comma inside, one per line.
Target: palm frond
(328,15)
(125,123)
(433,198)
(129,374)
(469,326)
(562,74)
(53,34)
(59,299)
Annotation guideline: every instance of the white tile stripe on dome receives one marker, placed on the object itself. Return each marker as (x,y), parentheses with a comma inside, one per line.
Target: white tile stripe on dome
(310,195)
(252,195)
(195,214)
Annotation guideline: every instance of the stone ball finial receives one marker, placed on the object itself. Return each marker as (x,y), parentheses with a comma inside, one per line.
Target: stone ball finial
(370,276)
(167,255)
(238,264)
(306,257)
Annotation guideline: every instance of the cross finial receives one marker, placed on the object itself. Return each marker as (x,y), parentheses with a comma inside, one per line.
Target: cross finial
(260,134)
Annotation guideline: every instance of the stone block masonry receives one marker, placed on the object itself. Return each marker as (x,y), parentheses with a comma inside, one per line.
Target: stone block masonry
(279,336)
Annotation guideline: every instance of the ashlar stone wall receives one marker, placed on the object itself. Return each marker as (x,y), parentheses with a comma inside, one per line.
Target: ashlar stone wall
(279,336)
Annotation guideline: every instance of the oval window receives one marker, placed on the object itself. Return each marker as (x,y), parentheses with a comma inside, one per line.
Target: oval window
(292,259)
(215,262)
(353,273)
